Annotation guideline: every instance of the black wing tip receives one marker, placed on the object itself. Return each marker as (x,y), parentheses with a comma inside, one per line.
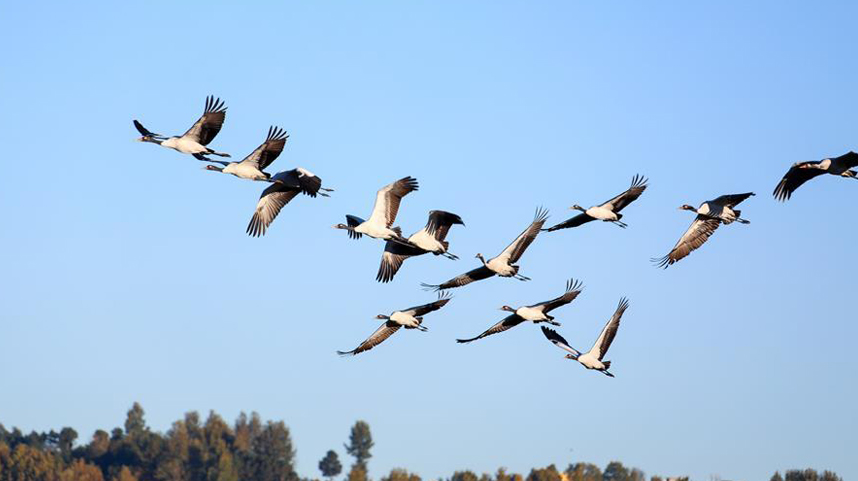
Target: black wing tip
(444,295)
(214,105)
(276,133)
(465,341)
(541,214)
(623,304)
(346,353)
(781,193)
(548,332)
(662,262)
(639,181)
(574,285)
(431,287)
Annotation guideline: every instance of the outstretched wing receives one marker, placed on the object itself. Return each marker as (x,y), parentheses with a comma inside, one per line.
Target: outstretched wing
(354,221)
(573,288)
(208,126)
(143,131)
(619,202)
(388,198)
(697,234)
(473,275)
(559,341)
(732,200)
(269,150)
(606,337)
(270,202)
(417,311)
(383,332)
(797,175)
(300,178)
(579,219)
(392,258)
(514,251)
(439,223)
(508,322)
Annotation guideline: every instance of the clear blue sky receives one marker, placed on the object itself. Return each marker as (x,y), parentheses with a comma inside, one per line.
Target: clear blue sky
(127,275)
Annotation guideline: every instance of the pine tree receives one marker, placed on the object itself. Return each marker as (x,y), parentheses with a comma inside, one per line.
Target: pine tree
(330,465)
(360,443)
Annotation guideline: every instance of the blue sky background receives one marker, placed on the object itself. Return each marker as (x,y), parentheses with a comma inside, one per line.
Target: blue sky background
(127,275)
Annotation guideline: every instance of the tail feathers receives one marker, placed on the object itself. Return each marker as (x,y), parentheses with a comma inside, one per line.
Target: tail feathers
(739,218)
(607,364)
(398,230)
(445,244)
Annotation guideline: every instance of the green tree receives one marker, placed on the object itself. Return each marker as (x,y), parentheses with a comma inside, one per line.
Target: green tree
(544,474)
(399,474)
(584,472)
(777,477)
(360,444)
(615,471)
(464,476)
(272,456)
(134,420)
(330,465)
(66,443)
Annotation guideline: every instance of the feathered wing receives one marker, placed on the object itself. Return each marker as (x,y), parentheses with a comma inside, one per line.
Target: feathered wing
(439,223)
(795,177)
(306,181)
(637,187)
(507,323)
(388,198)
(207,127)
(573,288)
(732,200)
(143,130)
(559,341)
(848,160)
(270,202)
(514,251)
(354,221)
(395,253)
(417,311)
(269,150)
(697,234)
(473,275)
(579,219)
(606,337)
(383,332)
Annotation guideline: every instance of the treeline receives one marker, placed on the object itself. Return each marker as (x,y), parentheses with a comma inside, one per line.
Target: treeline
(212,450)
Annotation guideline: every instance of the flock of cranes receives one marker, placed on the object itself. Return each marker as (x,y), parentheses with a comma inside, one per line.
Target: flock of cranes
(286,185)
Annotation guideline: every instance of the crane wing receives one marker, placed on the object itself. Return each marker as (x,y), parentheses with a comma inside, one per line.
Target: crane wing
(270,202)
(269,150)
(388,198)
(697,234)
(383,332)
(207,127)
(507,323)
(606,337)
(514,251)
(559,341)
